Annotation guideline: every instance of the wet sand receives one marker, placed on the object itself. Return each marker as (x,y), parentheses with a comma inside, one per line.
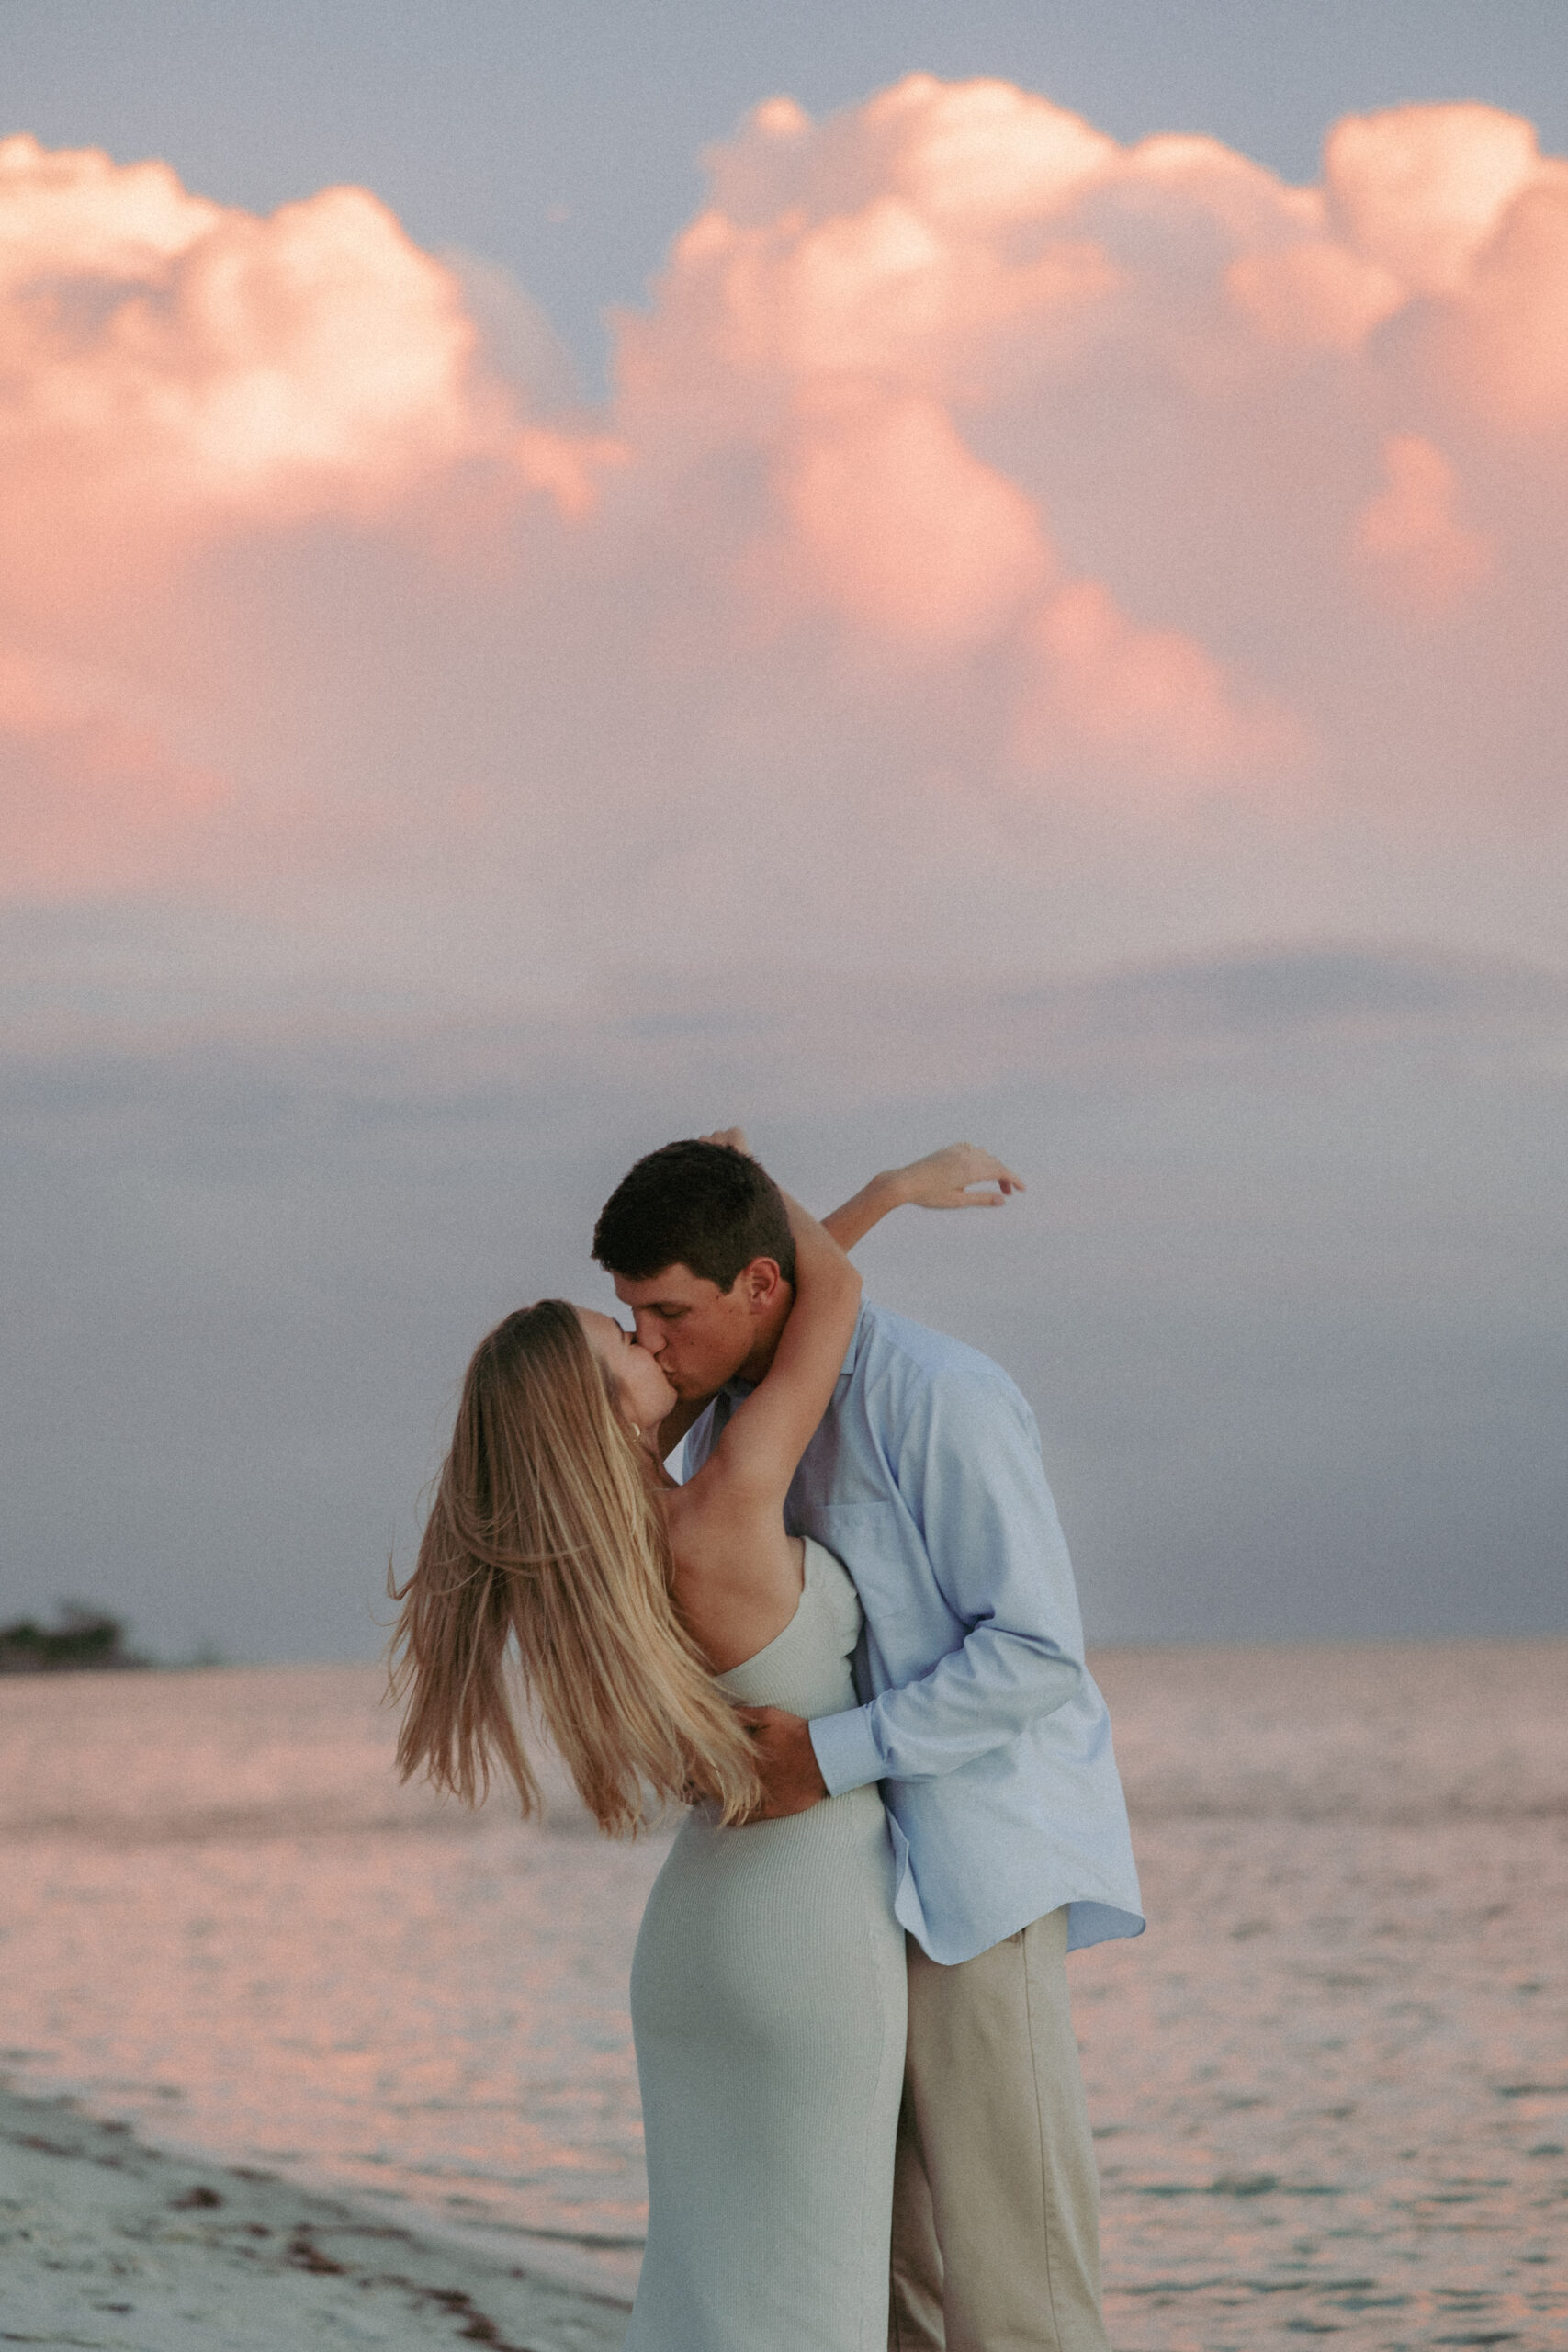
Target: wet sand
(108,2242)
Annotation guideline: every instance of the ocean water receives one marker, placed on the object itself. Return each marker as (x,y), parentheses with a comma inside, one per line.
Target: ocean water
(1329,2087)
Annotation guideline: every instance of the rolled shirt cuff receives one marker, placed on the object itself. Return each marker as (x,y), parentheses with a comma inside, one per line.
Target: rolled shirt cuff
(846,1751)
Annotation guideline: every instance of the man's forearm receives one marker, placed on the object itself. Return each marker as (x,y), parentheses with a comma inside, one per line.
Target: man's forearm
(960,1711)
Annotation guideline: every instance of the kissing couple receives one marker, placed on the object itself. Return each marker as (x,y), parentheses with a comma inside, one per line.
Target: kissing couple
(849,1642)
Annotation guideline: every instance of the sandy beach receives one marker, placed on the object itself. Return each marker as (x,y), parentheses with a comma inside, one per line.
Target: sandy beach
(107,2242)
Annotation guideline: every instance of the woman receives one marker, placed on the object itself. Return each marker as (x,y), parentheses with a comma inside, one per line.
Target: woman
(768,1988)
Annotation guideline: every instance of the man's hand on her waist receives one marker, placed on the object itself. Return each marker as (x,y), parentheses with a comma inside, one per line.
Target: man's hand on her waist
(792,1777)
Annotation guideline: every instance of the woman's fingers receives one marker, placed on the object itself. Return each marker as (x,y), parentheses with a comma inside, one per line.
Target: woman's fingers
(988,1170)
(985,1168)
(941,1180)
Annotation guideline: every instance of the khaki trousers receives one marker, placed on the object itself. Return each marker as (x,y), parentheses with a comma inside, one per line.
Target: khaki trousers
(996,2198)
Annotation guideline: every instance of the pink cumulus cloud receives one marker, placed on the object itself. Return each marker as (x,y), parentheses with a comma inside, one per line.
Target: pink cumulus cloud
(1415,552)
(90,799)
(187,364)
(984,492)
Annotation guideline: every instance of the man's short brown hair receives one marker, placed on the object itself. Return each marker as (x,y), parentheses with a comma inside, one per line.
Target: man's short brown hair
(696,1204)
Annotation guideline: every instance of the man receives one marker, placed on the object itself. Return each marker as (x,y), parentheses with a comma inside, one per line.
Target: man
(980,1719)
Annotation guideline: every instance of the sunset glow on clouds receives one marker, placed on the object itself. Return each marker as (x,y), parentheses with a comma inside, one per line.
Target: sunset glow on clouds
(1041,638)
(968,475)
(191,367)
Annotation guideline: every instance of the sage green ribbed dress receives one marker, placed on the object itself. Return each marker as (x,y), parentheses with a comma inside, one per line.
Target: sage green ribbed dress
(768,1994)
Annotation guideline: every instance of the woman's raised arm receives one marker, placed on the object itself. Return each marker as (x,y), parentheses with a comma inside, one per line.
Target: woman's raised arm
(942,1180)
(765,1438)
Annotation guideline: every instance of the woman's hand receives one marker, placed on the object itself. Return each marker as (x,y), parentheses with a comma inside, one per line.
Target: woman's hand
(732,1138)
(945,1179)
(942,1180)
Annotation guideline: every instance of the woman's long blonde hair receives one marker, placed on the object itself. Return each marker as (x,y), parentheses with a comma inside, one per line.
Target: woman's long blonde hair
(542,1528)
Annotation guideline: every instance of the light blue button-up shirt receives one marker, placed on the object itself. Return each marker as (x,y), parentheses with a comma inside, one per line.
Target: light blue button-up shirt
(979,1717)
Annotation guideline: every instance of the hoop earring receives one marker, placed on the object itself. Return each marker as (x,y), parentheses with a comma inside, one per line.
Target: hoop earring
(636,1428)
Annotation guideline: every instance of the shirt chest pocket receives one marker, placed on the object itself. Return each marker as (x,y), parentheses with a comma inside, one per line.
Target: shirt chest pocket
(875,1545)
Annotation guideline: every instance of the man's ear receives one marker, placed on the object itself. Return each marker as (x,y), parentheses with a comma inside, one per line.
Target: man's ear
(762,1282)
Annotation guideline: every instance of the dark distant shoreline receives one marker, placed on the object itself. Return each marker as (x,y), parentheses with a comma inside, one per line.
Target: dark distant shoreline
(84,1639)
